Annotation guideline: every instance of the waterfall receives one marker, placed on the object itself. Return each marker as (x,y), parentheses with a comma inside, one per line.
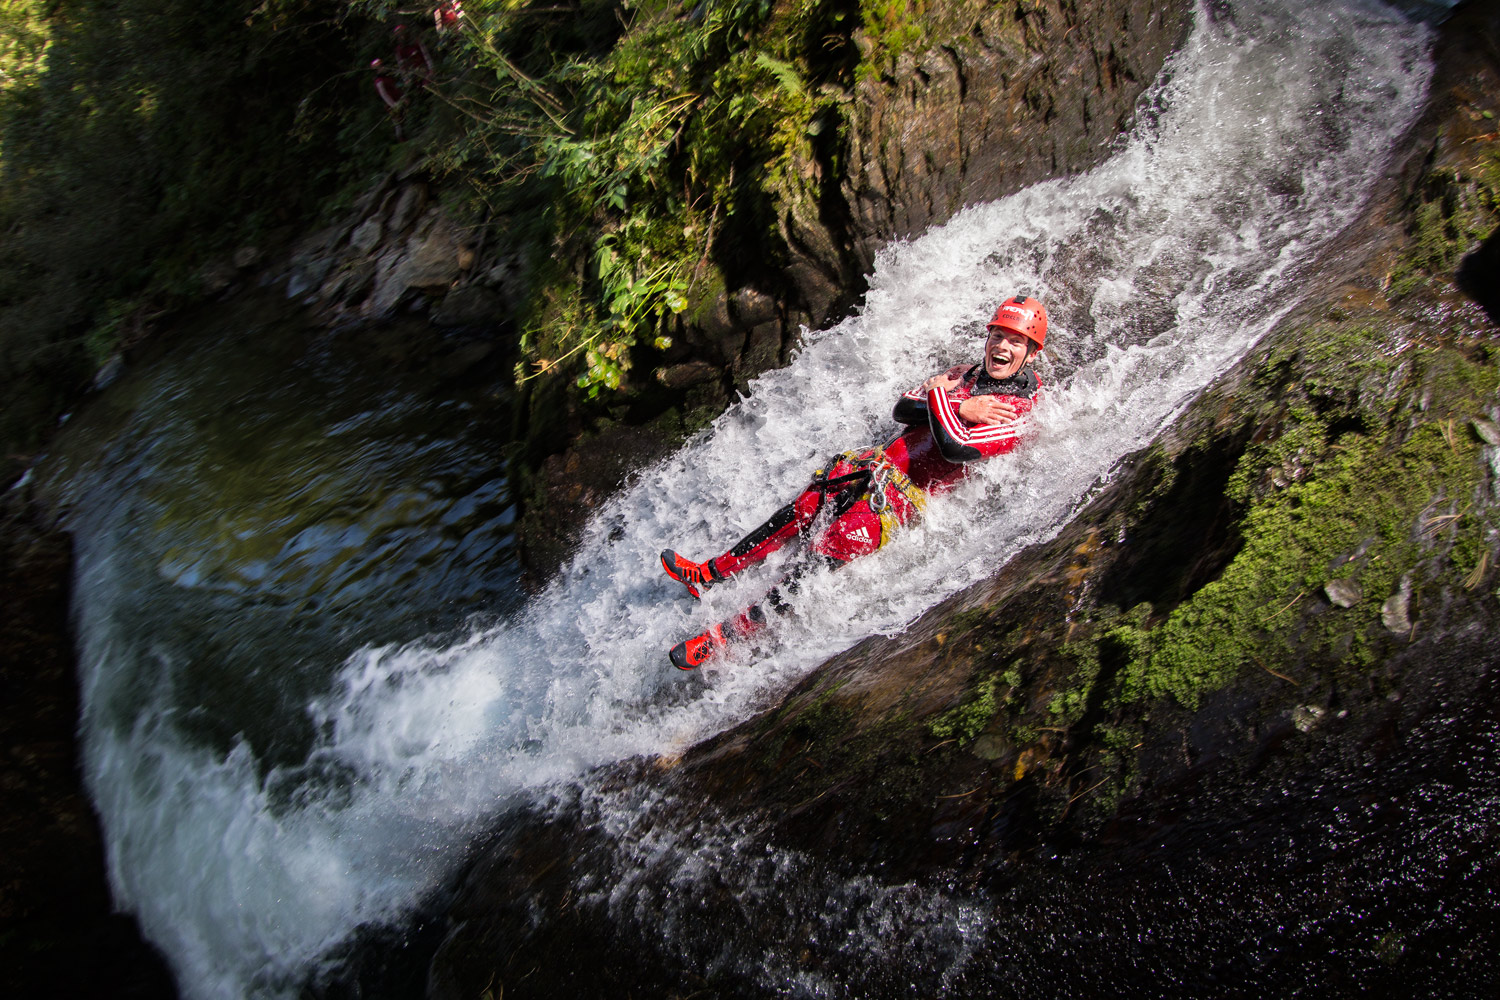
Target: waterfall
(1160,268)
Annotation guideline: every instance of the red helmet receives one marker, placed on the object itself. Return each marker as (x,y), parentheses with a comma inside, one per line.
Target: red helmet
(1026,316)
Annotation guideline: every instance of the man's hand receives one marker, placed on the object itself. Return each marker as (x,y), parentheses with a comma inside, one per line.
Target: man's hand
(943,382)
(986,410)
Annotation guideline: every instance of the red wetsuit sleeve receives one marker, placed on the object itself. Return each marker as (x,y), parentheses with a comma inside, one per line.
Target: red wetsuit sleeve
(960,441)
(388,91)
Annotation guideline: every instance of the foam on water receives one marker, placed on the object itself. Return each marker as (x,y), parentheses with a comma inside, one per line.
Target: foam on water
(1159,269)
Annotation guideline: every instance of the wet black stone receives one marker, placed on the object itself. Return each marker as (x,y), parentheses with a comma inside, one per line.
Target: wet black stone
(1479,277)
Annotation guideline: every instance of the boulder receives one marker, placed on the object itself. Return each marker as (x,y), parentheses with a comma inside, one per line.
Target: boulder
(366,236)
(1395,613)
(686,374)
(216,276)
(430,261)
(1000,96)
(411,200)
(1344,593)
(471,305)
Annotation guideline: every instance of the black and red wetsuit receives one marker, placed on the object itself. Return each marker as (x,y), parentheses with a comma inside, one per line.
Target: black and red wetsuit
(389,90)
(930,455)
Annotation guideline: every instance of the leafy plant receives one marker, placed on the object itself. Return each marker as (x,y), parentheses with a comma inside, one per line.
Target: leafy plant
(642,148)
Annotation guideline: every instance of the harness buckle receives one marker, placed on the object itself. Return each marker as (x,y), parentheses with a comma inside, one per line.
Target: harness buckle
(879,479)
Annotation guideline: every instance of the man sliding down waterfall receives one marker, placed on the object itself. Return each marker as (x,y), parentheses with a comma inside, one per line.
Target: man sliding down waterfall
(959,416)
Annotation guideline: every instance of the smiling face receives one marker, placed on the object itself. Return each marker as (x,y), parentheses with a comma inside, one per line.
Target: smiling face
(1005,351)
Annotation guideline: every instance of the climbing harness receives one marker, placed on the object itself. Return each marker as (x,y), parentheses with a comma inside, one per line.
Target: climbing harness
(872,474)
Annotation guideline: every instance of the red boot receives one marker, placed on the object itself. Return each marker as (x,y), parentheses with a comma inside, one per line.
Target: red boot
(698,650)
(693,576)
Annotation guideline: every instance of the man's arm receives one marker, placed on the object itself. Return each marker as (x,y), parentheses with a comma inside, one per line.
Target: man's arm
(960,441)
(911,408)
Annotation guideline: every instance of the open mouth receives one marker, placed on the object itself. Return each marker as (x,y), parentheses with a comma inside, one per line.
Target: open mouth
(1002,359)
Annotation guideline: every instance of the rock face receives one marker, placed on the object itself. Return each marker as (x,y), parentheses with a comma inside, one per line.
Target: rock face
(394,252)
(1009,95)
(994,97)
(1087,709)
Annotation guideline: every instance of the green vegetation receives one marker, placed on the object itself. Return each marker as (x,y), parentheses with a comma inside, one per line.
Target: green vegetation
(968,720)
(1361,501)
(23,42)
(892,27)
(635,143)
(1342,492)
(1453,211)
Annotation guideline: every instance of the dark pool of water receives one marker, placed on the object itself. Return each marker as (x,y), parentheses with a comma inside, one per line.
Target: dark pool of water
(268,496)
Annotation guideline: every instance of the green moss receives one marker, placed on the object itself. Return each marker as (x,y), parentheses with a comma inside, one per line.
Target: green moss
(884,754)
(1068,705)
(1110,776)
(812,724)
(1106,640)
(1453,211)
(967,621)
(822,724)
(968,720)
(892,27)
(1119,738)
(823,745)
(1352,505)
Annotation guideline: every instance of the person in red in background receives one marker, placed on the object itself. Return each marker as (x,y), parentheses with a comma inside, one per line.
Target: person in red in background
(412,60)
(959,416)
(390,94)
(446,17)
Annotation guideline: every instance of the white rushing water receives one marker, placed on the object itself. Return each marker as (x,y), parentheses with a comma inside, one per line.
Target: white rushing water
(1159,269)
